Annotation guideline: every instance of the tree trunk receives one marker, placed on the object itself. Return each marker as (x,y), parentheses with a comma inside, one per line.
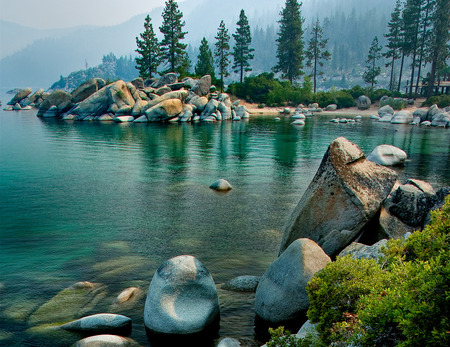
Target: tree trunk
(401,71)
(392,73)
(432,77)
(422,45)
(315,73)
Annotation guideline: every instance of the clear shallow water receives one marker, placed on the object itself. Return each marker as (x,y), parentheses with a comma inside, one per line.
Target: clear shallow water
(109,203)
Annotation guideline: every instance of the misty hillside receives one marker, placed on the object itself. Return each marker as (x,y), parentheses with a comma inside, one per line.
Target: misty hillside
(44,60)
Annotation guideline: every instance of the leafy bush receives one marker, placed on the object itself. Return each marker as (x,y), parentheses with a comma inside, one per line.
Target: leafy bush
(344,99)
(396,104)
(440,100)
(403,300)
(281,338)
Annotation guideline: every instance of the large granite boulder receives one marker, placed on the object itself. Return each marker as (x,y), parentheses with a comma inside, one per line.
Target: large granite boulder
(199,102)
(138,83)
(281,294)
(203,86)
(441,119)
(100,323)
(422,113)
(432,111)
(385,109)
(362,251)
(119,94)
(86,89)
(168,78)
(345,194)
(20,95)
(33,98)
(387,155)
(178,94)
(402,117)
(165,110)
(411,202)
(182,298)
(363,102)
(391,226)
(61,99)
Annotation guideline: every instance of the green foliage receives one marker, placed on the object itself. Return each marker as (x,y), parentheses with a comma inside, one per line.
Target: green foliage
(173,52)
(440,100)
(290,42)
(148,49)
(403,300)
(283,338)
(334,293)
(396,104)
(242,52)
(205,62)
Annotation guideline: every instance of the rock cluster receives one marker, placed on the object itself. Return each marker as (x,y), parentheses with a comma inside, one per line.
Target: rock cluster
(163,100)
(433,116)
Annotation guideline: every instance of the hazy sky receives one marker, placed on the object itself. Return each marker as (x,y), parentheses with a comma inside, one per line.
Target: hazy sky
(50,14)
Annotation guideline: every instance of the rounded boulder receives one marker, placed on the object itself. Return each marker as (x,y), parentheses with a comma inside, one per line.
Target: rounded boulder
(221,185)
(281,294)
(387,155)
(182,298)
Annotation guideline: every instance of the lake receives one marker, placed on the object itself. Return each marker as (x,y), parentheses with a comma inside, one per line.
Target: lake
(109,203)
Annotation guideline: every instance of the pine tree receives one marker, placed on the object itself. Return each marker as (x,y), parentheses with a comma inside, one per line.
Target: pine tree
(290,42)
(172,50)
(394,37)
(205,62)
(221,52)
(411,18)
(439,48)
(372,70)
(148,49)
(242,52)
(316,53)
(425,32)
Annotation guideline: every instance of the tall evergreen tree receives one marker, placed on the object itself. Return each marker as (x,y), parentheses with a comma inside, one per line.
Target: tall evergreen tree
(439,47)
(394,37)
(411,18)
(372,69)
(316,52)
(425,32)
(242,52)
(290,42)
(221,52)
(172,50)
(148,49)
(205,62)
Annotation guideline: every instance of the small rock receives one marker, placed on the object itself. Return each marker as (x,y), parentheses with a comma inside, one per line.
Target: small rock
(106,341)
(229,342)
(124,119)
(221,185)
(242,284)
(298,122)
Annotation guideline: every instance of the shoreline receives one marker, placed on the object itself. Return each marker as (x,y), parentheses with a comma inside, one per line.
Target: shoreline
(350,111)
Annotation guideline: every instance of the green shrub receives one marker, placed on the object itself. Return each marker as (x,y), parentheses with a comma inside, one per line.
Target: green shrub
(335,290)
(281,338)
(396,104)
(440,100)
(377,94)
(344,99)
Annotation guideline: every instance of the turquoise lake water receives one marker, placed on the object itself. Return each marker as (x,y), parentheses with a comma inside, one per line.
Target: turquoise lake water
(109,203)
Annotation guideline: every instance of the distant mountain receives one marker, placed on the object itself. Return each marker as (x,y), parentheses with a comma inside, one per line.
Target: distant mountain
(43,56)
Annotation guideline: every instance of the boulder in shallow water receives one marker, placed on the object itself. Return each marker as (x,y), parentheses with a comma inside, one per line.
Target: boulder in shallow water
(165,110)
(62,100)
(387,155)
(344,195)
(242,284)
(100,323)
(20,95)
(85,90)
(281,294)
(182,298)
(106,340)
(402,117)
(221,185)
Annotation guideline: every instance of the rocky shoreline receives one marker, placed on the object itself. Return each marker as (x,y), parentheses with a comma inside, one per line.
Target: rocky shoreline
(352,206)
(192,100)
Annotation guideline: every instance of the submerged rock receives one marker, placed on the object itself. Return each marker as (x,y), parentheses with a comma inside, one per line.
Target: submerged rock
(281,294)
(242,284)
(345,194)
(182,298)
(100,323)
